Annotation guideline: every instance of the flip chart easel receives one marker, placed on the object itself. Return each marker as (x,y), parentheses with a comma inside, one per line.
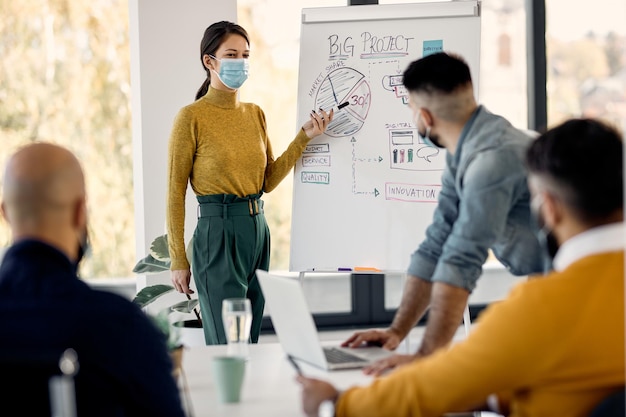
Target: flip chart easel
(365,192)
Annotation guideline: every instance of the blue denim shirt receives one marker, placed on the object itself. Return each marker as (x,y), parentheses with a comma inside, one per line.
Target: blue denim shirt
(484,203)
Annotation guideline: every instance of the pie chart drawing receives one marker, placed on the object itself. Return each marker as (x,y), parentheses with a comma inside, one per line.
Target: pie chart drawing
(339,86)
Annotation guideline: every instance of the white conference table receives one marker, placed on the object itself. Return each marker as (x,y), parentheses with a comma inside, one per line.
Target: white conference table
(269,387)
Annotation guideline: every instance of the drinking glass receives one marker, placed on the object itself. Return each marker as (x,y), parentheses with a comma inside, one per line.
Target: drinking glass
(237,318)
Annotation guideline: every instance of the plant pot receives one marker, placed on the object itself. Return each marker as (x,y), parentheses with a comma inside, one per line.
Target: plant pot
(190,333)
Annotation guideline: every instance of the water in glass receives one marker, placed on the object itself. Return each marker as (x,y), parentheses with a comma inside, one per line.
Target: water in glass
(237,317)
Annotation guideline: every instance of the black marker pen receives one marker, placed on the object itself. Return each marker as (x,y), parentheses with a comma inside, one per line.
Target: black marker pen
(336,108)
(339,106)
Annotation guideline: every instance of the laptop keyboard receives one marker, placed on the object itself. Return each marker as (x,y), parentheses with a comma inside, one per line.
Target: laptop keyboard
(334,355)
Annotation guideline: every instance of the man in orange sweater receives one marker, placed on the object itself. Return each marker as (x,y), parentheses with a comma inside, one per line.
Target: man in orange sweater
(555,346)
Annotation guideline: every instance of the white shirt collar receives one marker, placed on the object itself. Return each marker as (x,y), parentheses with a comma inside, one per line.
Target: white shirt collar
(607,238)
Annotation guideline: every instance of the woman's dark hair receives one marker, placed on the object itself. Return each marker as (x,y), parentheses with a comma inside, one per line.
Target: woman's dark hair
(583,161)
(213,37)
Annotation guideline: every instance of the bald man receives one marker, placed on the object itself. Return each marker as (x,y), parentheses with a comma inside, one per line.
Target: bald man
(125,369)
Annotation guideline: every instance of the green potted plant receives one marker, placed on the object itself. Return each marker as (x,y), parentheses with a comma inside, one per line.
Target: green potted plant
(158,260)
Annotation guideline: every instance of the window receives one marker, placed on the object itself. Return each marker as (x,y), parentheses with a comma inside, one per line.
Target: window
(586,55)
(503,60)
(65,79)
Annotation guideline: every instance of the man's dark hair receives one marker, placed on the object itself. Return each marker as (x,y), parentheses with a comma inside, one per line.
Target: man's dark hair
(437,73)
(581,161)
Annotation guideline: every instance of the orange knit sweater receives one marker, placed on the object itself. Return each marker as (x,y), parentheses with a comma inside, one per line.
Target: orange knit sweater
(554,347)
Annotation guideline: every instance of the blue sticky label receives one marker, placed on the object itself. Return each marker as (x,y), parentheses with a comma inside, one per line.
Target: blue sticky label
(432,47)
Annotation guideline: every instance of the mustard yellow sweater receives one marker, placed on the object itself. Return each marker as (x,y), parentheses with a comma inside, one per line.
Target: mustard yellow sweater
(554,347)
(220,146)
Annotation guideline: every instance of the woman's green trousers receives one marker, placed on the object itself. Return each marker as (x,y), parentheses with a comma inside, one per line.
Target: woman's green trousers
(231,242)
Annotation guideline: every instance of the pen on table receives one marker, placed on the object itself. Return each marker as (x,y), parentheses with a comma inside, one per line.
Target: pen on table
(344,269)
(295,365)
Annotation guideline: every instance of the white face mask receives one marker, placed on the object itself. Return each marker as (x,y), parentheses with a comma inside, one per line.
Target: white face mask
(233,71)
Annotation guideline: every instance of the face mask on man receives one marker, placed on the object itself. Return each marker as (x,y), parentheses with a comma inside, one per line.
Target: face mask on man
(233,71)
(545,236)
(429,140)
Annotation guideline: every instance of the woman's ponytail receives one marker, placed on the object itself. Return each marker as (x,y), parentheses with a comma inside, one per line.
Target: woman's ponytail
(204,87)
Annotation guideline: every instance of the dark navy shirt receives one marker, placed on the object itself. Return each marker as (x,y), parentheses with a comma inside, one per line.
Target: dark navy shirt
(124,366)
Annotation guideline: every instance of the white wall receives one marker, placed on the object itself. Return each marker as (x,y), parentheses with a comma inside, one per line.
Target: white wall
(166,72)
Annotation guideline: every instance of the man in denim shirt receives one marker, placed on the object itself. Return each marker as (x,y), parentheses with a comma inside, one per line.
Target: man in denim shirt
(484,204)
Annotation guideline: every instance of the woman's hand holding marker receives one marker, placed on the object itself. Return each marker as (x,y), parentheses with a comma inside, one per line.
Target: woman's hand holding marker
(320,120)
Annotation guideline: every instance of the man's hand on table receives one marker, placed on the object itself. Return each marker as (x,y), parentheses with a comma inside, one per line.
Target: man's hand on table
(388,338)
(314,393)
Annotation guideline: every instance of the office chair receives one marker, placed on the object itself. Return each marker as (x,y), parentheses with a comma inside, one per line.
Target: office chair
(612,406)
(38,383)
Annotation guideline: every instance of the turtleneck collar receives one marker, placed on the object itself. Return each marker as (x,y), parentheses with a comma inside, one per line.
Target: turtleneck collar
(223,99)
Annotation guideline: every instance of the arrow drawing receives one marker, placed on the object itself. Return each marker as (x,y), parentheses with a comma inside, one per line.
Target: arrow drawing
(378,159)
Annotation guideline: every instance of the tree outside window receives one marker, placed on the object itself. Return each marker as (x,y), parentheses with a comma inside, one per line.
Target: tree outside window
(64,78)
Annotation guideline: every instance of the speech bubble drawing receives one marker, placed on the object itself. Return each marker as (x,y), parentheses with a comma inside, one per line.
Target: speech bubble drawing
(426,152)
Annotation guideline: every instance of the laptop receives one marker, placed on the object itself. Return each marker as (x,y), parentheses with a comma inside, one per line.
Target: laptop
(296,329)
